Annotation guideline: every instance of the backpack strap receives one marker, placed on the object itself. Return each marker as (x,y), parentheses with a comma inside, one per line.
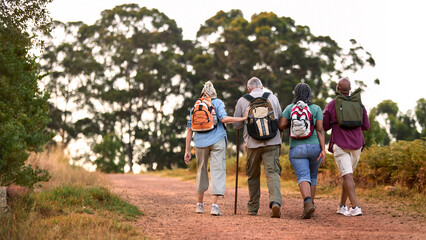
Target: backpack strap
(248,97)
(266,95)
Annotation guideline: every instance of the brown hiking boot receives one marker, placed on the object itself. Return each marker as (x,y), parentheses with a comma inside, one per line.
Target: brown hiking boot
(308,209)
(276,211)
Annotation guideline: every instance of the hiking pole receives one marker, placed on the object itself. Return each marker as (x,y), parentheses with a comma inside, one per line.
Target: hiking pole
(236,178)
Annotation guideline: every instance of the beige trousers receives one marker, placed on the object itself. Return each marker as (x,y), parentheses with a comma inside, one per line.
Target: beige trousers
(216,152)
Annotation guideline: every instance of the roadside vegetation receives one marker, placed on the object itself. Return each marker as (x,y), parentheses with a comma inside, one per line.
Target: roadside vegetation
(394,175)
(74,204)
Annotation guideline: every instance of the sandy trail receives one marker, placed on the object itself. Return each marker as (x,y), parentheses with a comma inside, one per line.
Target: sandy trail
(168,205)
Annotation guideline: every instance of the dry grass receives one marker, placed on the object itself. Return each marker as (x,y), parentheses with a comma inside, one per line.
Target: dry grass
(57,163)
(74,204)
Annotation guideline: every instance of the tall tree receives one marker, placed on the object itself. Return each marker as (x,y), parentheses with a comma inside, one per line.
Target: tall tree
(71,66)
(141,53)
(24,111)
(231,50)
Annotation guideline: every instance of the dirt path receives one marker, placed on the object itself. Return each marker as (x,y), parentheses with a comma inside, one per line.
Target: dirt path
(169,208)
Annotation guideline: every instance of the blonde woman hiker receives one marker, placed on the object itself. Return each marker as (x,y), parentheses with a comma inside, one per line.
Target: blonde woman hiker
(210,142)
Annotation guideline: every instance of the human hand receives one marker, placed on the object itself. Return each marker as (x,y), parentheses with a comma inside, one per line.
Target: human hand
(321,158)
(187,157)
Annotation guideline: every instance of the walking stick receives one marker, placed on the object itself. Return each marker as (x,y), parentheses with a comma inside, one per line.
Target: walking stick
(236,178)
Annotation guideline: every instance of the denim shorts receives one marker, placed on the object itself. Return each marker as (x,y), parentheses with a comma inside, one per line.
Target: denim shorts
(303,159)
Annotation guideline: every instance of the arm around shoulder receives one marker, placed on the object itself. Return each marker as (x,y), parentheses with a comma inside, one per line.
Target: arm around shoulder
(239,112)
(236,119)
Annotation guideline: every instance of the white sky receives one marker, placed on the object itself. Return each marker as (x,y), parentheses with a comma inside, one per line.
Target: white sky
(392,31)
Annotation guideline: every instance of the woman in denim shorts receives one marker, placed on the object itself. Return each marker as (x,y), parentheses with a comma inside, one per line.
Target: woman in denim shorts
(306,154)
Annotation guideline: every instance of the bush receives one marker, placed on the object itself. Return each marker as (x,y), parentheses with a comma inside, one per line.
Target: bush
(401,163)
(24,111)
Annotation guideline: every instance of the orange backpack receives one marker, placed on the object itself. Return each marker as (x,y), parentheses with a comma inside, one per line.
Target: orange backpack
(203,115)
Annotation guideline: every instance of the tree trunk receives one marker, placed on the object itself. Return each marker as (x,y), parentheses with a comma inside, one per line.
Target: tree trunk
(130,156)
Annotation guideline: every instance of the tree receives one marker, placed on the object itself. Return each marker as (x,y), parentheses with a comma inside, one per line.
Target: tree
(24,111)
(110,155)
(71,66)
(401,126)
(230,50)
(376,134)
(420,111)
(150,76)
(134,94)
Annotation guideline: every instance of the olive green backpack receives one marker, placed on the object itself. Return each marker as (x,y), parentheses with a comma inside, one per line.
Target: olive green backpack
(349,109)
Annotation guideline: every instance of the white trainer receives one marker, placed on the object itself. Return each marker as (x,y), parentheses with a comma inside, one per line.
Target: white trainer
(353,212)
(199,208)
(215,210)
(341,209)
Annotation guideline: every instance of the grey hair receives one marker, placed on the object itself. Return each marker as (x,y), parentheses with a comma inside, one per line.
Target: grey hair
(210,90)
(254,82)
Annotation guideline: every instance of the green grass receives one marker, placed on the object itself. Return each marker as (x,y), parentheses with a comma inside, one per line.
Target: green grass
(88,200)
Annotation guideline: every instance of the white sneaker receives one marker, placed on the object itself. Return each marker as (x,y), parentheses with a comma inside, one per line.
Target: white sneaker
(215,210)
(341,209)
(353,212)
(199,208)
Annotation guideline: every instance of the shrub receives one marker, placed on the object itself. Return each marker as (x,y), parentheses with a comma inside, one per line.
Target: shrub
(24,111)
(401,163)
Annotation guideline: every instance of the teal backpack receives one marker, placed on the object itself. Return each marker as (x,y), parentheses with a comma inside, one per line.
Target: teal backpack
(349,109)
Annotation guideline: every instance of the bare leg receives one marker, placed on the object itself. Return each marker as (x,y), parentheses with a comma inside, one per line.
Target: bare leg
(215,197)
(200,197)
(313,190)
(305,189)
(343,197)
(349,184)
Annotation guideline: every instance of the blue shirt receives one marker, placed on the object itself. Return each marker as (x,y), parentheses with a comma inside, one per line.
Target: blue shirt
(205,139)
(316,114)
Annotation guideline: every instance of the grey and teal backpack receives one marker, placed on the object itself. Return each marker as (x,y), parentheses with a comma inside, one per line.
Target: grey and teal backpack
(349,109)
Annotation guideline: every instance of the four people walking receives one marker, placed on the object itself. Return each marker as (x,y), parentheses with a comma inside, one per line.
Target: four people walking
(307,146)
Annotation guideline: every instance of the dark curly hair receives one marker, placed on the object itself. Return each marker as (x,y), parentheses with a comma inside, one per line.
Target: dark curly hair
(302,91)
